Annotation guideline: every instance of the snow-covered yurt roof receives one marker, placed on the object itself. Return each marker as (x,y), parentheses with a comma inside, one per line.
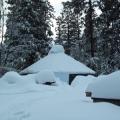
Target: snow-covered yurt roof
(106,86)
(58,61)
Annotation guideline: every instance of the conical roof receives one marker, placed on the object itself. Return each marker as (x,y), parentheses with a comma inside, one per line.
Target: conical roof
(58,61)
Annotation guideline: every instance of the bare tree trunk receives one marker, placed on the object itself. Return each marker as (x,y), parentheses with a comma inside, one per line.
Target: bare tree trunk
(68,40)
(2,21)
(91,30)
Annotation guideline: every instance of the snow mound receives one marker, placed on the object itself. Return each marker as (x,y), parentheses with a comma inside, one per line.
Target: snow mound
(81,82)
(106,86)
(12,83)
(45,76)
(56,49)
(11,77)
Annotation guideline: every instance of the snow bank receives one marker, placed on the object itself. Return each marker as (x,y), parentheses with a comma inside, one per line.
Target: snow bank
(107,86)
(82,82)
(56,49)
(12,82)
(11,77)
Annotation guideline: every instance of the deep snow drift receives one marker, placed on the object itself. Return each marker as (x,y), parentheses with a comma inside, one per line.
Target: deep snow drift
(81,82)
(11,78)
(41,102)
(12,82)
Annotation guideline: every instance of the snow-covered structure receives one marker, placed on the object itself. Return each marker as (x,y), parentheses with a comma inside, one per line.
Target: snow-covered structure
(46,77)
(106,88)
(62,65)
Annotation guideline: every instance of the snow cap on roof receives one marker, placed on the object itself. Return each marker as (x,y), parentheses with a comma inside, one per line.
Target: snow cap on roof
(56,49)
(59,62)
(106,86)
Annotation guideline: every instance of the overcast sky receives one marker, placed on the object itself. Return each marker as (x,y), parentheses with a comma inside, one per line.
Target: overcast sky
(57,5)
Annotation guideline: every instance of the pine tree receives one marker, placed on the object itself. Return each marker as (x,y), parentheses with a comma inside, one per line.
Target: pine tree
(59,22)
(28,29)
(89,28)
(86,8)
(109,24)
(68,28)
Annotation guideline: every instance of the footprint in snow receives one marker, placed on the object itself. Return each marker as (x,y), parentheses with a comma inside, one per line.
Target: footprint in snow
(20,115)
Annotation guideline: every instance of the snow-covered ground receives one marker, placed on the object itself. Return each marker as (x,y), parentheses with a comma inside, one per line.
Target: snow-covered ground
(40,102)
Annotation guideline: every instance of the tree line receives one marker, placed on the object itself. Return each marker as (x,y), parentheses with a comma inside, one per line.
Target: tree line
(89,37)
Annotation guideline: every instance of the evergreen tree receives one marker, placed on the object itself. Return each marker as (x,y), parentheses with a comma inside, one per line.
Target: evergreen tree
(28,29)
(109,37)
(99,46)
(87,45)
(59,30)
(89,29)
(68,28)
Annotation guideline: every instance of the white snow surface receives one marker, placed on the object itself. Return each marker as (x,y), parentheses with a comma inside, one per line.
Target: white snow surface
(11,77)
(40,102)
(106,86)
(12,83)
(60,63)
(46,76)
(81,82)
